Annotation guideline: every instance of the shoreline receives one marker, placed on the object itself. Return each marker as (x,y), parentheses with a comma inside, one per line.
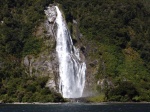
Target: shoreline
(96,103)
(36,103)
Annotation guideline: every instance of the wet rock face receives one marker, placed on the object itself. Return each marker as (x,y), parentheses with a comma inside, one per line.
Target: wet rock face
(51,14)
(50,25)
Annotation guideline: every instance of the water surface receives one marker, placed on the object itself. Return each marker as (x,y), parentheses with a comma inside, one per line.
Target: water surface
(77,107)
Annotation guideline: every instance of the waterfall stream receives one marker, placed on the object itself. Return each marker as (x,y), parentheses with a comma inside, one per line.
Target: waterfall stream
(71,68)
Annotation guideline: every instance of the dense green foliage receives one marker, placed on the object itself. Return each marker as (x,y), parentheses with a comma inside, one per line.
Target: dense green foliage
(117,33)
(18,22)
(27,89)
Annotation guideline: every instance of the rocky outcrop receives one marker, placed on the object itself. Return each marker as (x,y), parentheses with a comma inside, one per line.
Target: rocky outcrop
(51,13)
(94,65)
(45,63)
(105,83)
(50,22)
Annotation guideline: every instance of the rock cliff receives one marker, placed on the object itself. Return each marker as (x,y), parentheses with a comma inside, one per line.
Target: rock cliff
(45,63)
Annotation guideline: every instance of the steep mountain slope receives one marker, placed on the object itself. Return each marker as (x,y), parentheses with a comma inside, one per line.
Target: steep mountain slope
(114,36)
(27,58)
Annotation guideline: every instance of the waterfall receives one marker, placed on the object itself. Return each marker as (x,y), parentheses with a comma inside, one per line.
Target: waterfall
(71,68)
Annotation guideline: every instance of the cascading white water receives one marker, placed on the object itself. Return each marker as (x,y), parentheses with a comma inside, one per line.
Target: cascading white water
(71,68)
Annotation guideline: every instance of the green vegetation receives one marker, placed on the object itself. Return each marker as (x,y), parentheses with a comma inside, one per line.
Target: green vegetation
(27,89)
(98,98)
(115,32)
(125,91)
(18,23)
(19,20)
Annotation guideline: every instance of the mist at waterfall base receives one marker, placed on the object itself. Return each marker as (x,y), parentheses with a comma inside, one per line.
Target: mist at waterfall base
(108,107)
(71,67)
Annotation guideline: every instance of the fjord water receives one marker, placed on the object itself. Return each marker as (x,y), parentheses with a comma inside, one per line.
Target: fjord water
(71,68)
(137,107)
